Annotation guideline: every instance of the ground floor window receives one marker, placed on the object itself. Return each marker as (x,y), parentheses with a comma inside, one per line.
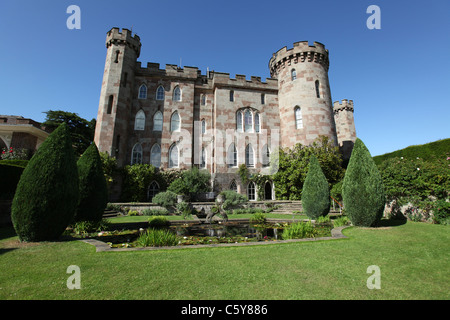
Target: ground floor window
(251,191)
(153,189)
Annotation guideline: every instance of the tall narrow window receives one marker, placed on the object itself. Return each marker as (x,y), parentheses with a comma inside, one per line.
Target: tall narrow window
(155,156)
(175,122)
(203,126)
(143,92)
(233,186)
(249,157)
(263,98)
(203,160)
(232,156)
(117,56)
(203,100)
(177,94)
(298,118)
(317,89)
(231,95)
(239,121)
(257,122)
(265,156)
(136,155)
(153,190)
(139,122)
(248,121)
(158,121)
(160,93)
(251,191)
(293,74)
(173,156)
(110,104)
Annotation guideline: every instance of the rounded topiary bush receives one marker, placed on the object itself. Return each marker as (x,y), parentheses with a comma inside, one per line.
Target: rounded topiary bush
(315,193)
(93,189)
(362,189)
(47,193)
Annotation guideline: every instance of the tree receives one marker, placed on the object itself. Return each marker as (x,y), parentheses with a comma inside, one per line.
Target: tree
(81,130)
(192,181)
(316,192)
(93,189)
(362,189)
(47,193)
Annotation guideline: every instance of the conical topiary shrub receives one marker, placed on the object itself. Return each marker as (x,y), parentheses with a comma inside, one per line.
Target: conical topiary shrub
(315,193)
(47,193)
(362,189)
(93,190)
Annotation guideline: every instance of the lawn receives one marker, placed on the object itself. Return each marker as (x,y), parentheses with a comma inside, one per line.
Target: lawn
(413,259)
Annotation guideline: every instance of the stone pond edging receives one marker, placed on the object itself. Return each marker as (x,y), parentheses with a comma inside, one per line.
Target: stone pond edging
(336,233)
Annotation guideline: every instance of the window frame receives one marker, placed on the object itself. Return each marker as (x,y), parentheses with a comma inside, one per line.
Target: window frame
(153,153)
(140,127)
(142,93)
(160,91)
(172,122)
(135,153)
(298,116)
(177,94)
(177,153)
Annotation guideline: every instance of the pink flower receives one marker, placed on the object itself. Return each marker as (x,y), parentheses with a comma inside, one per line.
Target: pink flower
(448,158)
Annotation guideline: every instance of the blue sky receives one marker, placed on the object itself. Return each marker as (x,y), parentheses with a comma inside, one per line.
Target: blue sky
(397,76)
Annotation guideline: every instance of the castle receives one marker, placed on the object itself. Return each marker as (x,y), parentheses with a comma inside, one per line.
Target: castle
(179,118)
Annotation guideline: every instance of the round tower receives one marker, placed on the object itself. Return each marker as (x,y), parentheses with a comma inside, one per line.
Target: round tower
(123,49)
(304,95)
(345,126)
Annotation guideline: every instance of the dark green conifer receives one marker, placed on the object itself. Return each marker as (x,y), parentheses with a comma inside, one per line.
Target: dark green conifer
(315,193)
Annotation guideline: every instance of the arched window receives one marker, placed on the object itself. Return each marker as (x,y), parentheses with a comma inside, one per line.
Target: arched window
(160,93)
(317,89)
(298,117)
(158,121)
(143,92)
(231,95)
(249,157)
(153,190)
(155,156)
(110,104)
(233,186)
(232,156)
(139,122)
(136,154)
(293,74)
(177,94)
(203,160)
(268,191)
(203,126)
(175,122)
(173,156)
(265,156)
(239,121)
(203,100)
(257,125)
(248,121)
(251,191)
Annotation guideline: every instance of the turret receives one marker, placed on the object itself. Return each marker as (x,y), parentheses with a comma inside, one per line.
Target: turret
(123,49)
(303,93)
(345,126)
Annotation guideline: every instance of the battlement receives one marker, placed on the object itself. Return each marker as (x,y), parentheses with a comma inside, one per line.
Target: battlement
(345,105)
(224,79)
(300,52)
(124,37)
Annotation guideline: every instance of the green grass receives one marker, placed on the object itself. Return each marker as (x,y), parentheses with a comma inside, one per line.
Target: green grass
(413,259)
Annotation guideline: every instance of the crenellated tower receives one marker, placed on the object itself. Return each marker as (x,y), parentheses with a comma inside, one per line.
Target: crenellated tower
(345,126)
(304,96)
(113,115)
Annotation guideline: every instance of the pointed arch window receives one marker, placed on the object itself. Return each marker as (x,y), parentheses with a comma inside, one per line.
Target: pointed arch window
(155,156)
(249,156)
(139,122)
(173,156)
(239,121)
(233,186)
(232,156)
(160,93)
(251,191)
(203,126)
(153,190)
(317,89)
(158,121)
(248,121)
(177,94)
(298,117)
(175,122)
(293,74)
(265,156)
(136,154)
(143,92)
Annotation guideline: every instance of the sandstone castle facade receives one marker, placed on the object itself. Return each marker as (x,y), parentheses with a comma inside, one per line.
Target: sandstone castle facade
(179,118)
